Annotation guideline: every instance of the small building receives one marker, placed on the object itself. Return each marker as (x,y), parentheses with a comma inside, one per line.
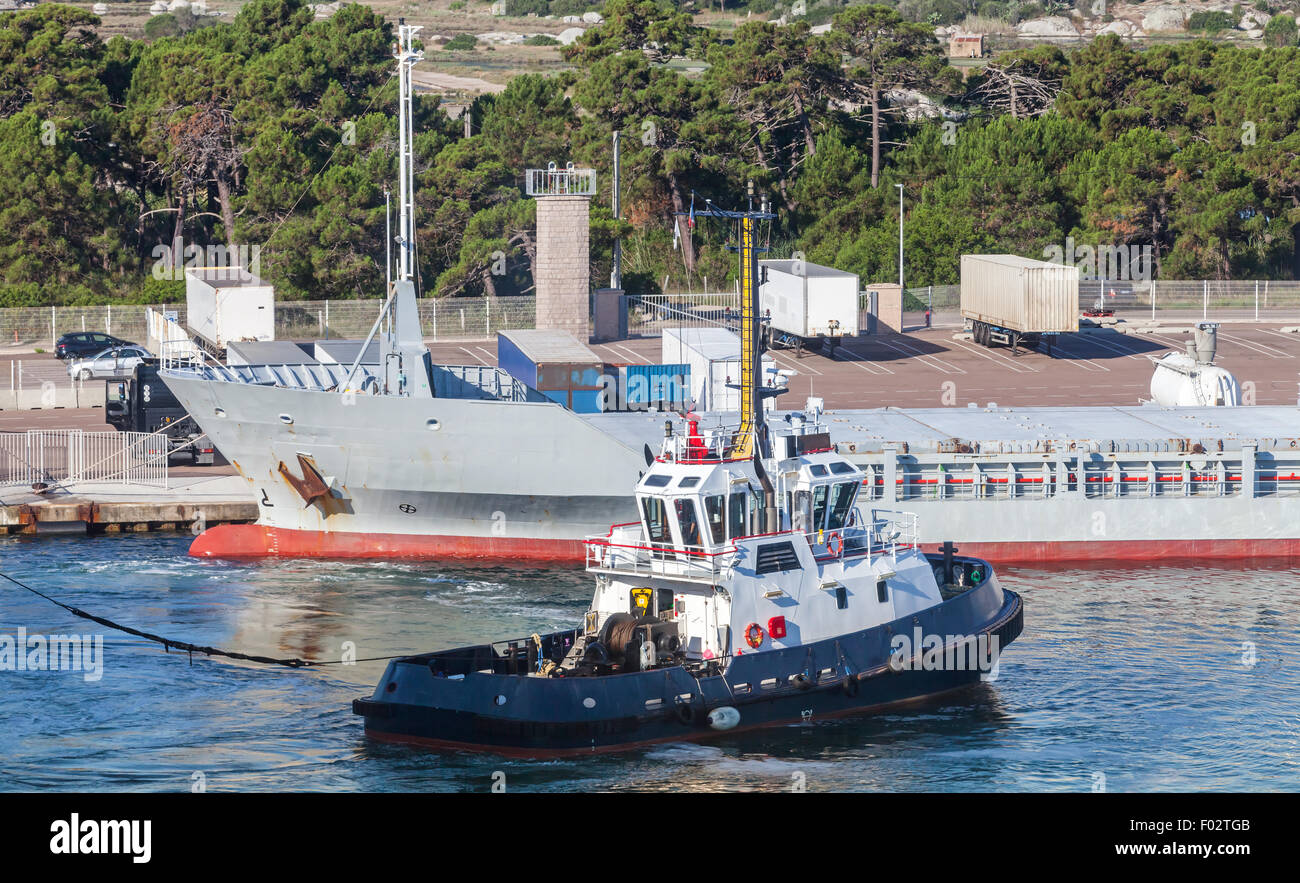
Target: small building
(966,46)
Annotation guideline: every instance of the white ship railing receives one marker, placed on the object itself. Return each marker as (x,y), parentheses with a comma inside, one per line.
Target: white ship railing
(715,443)
(892,531)
(45,456)
(625,551)
(922,478)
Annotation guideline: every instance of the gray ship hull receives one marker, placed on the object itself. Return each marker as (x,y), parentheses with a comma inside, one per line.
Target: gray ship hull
(405,476)
(462,477)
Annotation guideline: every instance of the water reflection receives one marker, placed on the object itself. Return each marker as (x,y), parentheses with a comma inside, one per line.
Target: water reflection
(1136,673)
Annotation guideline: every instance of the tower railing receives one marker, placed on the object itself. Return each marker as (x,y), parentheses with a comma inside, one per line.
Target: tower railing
(556,181)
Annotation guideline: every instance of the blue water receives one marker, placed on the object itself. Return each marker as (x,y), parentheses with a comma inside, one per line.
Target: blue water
(1135,678)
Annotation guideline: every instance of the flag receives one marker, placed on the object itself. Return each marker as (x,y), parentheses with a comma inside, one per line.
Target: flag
(690,220)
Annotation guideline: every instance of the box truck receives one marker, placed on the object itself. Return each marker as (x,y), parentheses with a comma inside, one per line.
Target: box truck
(806,304)
(1010,300)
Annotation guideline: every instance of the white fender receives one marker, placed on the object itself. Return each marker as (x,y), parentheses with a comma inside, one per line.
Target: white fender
(724,717)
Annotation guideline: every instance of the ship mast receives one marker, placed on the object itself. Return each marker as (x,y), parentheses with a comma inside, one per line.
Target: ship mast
(407,57)
(750,442)
(405,366)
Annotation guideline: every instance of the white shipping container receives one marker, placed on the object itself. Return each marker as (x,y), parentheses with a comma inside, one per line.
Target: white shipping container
(713,355)
(1019,294)
(225,305)
(809,300)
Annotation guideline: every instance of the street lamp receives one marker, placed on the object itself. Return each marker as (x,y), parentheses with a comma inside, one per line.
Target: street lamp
(900,235)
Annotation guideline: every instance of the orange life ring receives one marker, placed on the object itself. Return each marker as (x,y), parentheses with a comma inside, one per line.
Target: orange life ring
(834,544)
(754,634)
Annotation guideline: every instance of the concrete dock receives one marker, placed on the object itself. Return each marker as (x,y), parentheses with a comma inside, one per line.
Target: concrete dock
(190,503)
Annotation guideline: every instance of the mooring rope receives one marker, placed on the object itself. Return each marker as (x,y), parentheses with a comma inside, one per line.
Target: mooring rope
(191,649)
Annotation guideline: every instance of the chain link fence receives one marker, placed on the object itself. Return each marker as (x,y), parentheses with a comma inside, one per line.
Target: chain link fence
(479,318)
(1142,302)
(458,318)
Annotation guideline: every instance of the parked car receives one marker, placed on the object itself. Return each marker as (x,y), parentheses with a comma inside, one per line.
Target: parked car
(78,344)
(114,363)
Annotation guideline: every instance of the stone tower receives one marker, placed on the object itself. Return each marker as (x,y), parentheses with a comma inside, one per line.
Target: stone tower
(563,272)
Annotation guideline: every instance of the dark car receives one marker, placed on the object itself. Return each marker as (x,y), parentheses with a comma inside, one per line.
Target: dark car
(86,343)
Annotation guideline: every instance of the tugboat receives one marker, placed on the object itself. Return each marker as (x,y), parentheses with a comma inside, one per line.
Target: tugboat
(751,592)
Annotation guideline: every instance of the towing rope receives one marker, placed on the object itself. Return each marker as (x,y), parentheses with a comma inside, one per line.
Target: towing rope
(191,649)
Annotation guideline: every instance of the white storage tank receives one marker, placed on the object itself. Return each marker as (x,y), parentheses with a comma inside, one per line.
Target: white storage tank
(1191,379)
(1179,382)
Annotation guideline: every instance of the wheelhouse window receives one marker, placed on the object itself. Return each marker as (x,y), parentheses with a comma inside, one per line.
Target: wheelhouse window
(687,521)
(842,497)
(656,520)
(819,506)
(801,512)
(716,515)
(737,515)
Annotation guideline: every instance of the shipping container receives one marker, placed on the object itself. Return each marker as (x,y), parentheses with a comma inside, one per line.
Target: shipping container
(713,357)
(555,364)
(663,387)
(1012,300)
(224,305)
(807,303)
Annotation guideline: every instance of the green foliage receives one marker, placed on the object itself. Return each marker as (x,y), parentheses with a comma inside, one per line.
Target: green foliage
(521,8)
(1280,31)
(276,130)
(1211,22)
(541,40)
(461,43)
(164,25)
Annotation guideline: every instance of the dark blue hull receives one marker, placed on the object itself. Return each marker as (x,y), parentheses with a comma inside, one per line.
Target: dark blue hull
(448,700)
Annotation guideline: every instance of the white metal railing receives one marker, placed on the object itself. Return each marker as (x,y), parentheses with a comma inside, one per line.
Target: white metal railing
(892,530)
(625,551)
(556,181)
(176,355)
(651,313)
(50,456)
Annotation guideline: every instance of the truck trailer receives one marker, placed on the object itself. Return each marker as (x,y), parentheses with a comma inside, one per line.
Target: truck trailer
(807,304)
(1014,301)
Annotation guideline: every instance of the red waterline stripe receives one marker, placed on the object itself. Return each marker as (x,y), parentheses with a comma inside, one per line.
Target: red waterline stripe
(257,541)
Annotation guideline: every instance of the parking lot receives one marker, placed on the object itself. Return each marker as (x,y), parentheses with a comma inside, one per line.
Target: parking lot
(921,369)
(929,368)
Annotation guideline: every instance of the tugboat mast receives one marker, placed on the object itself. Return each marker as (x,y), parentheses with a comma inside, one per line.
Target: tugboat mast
(751,438)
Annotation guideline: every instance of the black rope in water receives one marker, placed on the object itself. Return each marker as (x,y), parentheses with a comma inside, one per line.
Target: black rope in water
(191,649)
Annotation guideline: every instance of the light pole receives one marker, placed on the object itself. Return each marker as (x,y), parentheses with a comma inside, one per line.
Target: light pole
(900,236)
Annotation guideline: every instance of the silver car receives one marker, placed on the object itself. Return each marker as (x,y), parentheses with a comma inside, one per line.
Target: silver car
(114,363)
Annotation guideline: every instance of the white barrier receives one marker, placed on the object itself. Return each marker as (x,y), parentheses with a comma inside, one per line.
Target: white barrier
(50,456)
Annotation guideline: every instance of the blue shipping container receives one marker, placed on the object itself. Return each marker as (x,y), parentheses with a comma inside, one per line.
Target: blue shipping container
(645,385)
